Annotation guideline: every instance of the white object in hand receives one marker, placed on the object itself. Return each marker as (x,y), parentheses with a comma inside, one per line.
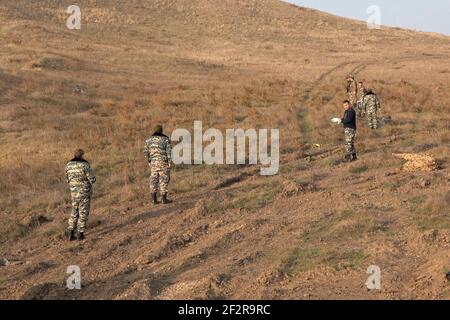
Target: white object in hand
(336,120)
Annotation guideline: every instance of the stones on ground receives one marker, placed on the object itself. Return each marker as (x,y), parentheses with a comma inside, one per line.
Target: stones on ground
(3,262)
(139,290)
(79,89)
(271,277)
(437,236)
(291,189)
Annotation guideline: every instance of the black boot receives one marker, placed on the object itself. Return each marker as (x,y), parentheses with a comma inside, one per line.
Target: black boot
(154,198)
(165,200)
(80,236)
(70,234)
(353,157)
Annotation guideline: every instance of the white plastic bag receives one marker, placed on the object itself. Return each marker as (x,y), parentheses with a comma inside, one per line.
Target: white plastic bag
(336,120)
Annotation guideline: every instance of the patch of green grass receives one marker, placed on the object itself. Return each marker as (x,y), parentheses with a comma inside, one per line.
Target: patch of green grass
(305,127)
(432,214)
(417,120)
(3,282)
(408,143)
(418,200)
(14,231)
(372,207)
(302,260)
(392,186)
(434,222)
(287,169)
(51,232)
(216,206)
(346,260)
(259,197)
(344,224)
(253,198)
(187,185)
(359,169)
(87,105)
(115,199)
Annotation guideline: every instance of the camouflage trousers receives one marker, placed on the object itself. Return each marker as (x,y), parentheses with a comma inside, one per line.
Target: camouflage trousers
(372,118)
(159,177)
(80,212)
(350,141)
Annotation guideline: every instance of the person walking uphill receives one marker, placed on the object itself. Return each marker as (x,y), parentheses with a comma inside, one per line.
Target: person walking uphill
(349,122)
(81,178)
(351,88)
(158,152)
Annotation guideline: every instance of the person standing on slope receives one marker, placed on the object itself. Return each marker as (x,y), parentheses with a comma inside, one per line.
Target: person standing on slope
(158,152)
(360,96)
(372,105)
(81,178)
(351,88)
(349,122)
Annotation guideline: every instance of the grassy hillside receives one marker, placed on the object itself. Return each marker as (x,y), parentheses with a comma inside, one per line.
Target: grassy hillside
(230,233)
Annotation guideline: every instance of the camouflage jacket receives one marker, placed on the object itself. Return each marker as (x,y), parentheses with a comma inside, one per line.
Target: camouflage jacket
(361,93)
(371,102)
(80,176)
(158,149)
(351,86)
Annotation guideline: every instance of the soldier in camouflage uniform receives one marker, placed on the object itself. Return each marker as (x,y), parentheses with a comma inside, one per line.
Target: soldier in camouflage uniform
(372,105)
(158,152)
(362,91)
(351,88)
(81,178)
(349,122)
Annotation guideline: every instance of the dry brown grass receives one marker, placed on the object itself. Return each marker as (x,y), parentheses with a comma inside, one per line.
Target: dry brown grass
(231,64)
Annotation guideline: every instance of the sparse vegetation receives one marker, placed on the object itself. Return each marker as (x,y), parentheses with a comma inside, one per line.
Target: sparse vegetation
(346,224)
(359,169)
(50,63)
(12,229)
(272,65)
(301,260)
(252,198)
(432,214)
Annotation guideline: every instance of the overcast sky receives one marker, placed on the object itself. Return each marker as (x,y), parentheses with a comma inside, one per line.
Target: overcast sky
(424,15)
